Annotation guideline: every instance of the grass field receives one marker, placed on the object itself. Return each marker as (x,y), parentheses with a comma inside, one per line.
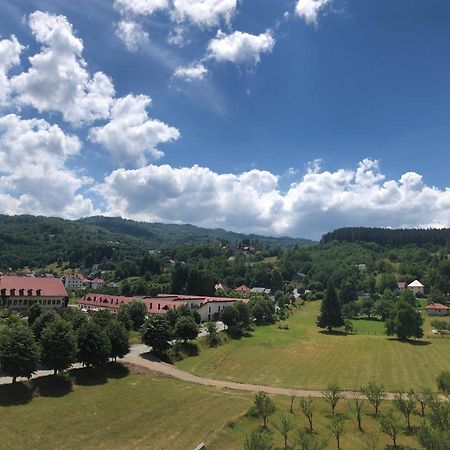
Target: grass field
(142,411)
(302,357)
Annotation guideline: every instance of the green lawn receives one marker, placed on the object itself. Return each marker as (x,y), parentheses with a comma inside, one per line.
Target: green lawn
(143,411)
(302,357)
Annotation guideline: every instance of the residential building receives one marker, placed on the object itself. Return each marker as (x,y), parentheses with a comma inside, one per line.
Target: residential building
(417,287)
(75,281)
(243,288)
(260,290)
(19,293)
(221,287)
(401,285)
(437,309)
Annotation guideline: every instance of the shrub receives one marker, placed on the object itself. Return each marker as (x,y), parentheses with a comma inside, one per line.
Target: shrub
(443,381)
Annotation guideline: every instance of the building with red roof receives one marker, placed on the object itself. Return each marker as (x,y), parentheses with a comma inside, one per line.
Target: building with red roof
(21,292)
(437,309)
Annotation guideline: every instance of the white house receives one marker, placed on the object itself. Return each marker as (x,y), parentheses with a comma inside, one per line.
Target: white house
(417,287)
(212,307)
(74,281)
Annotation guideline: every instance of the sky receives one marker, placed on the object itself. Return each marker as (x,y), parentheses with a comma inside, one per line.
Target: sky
(279,117)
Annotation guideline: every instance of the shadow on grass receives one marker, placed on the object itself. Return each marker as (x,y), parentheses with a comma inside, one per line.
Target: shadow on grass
(416,342)
(15,394)
(333,332)
(117,370)
(89,376)
(52,386)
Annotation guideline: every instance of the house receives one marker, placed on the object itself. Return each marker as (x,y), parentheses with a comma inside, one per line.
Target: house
(260,290)
(401,285)
(243,288)
(437,309)
(417,287)
(75,281)
(95,283)
(221,287)
(19,293)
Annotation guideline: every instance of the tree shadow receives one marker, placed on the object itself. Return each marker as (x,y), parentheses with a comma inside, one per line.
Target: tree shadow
(52,386)
(89,376)
(416,342)
(333,332)
(117,370)
(15,394)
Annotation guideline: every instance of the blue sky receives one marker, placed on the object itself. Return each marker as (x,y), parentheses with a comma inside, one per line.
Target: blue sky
(273,116)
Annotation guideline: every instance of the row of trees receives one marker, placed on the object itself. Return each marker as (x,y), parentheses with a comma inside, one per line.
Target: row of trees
(55,342)
(433,434)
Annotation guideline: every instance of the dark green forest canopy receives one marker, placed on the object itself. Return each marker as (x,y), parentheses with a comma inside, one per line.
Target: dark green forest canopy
(386,236)
(36,241)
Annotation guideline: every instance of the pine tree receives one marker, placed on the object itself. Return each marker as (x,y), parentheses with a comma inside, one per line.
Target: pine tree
(330,310)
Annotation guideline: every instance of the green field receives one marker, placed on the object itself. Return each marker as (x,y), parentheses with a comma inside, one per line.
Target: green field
(142,411)
(303,357)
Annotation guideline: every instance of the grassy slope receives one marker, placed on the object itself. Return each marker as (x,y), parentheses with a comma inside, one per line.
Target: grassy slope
(141,411)
(302,357)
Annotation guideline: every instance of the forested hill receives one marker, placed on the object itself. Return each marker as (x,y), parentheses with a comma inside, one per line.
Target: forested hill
(386,236)
(36,241)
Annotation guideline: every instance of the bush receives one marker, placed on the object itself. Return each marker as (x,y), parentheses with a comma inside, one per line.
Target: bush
(443,381)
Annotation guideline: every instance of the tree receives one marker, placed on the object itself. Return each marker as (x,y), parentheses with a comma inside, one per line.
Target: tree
(58,345)
(156,333)
(391,426)
(276,280)
(34,311)
(404,321)
(264,407)
(138,312)
(306,440)
(244,314)
(284,426)
(443,381)
(332,395)
(337,427)
(375,394)
(307,407)
(425,397)
(330,310)
(94,346)
(123,316)
(258,440)
(230,317)
(435,432)
(185,328)
(348,326)
(406,404)
(292,398)
(103,318)
(118,337)
(19,353)
(42,321)
(213,336)
(76,317)
(357,406)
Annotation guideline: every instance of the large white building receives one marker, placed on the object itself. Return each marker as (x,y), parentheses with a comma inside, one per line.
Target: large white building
(417,287)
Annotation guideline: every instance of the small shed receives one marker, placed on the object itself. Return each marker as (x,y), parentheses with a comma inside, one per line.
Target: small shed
(437,309)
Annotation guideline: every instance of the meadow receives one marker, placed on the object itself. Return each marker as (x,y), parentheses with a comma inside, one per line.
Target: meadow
(143,411)
(304,357)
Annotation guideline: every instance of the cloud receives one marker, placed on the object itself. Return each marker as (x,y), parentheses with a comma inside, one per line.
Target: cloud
(10,50)
(253,202)
(140,7)
(204,13)
(309,10)
(57,80)
(239,47)
(177,37)
(33,176)
(132,34)
(130,134)
(191,73)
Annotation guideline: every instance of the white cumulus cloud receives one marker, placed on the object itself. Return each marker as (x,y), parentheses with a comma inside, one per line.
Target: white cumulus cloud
(205,13)
(132,34)
(253,202)
(140,7)
(57,80)
(191,73)
(131,135)
(239,47)
(309,10)
(34,178)
(10,50)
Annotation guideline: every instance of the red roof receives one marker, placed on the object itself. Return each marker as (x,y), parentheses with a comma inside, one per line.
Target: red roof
(242,288)
(437,306)
(48,287)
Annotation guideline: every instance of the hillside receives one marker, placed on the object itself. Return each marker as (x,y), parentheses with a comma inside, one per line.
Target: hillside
(37,241)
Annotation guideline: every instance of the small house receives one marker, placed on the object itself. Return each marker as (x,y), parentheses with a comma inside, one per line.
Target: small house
(437,309)
(417,287)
